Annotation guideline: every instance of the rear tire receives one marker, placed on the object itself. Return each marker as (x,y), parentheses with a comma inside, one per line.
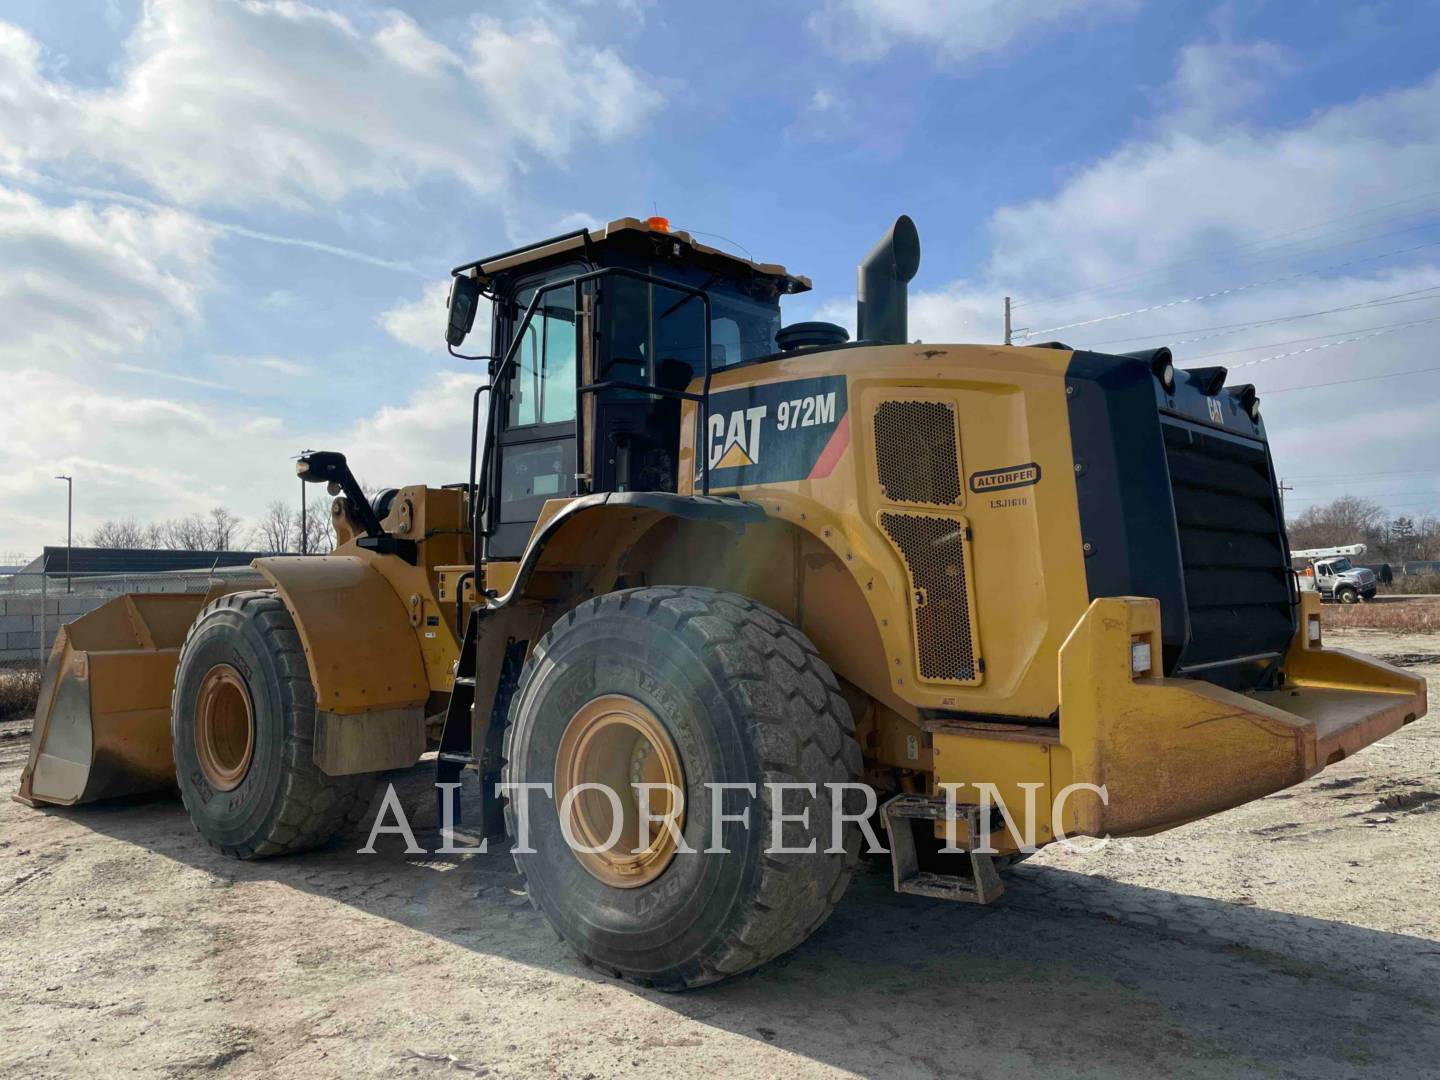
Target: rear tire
(254,793)
(742,698)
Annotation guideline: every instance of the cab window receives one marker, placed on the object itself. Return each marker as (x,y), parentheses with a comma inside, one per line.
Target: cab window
(741,328)
(654,336)
(542,386)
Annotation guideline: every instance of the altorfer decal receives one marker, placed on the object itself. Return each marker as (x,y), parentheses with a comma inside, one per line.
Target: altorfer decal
(1010,477)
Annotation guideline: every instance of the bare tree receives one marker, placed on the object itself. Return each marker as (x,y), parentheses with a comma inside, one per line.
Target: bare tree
(1427,538)
(1347,520)
(1351,519)
(224,526)
(276,530)
(125,533)
(279,529)
(190,533)
(319,528)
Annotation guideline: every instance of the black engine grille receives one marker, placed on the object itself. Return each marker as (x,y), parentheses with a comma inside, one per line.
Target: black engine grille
(1237,584)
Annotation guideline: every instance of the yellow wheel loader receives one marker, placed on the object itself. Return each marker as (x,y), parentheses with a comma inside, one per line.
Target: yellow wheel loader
(715,588)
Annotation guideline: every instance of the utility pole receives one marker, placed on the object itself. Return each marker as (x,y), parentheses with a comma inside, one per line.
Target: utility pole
(1007,320)
(1284,487)
(69,524)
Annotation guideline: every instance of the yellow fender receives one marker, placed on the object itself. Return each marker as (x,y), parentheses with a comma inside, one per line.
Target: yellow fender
(359,644)
(364,658)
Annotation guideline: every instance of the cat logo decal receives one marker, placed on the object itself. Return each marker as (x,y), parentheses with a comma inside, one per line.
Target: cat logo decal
(774,433)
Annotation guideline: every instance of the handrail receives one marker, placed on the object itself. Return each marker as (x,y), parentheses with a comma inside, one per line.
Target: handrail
(536,246)
(470,491)
(500,370)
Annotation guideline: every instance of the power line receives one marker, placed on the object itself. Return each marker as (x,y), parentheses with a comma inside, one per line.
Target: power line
(1407,490)
(1299,341)
(1406,497)
(1370,472)
(1333,344)
(1347,382)
(1402,505)
(1388,300)
(1278,253)
(1228,292)
(1307,484)
(1377,472)
(1228,250)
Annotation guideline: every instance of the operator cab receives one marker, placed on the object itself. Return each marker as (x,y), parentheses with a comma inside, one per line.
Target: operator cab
(596,341)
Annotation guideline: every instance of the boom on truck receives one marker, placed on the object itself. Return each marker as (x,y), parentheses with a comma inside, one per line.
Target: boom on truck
(700,549)
(1329,572)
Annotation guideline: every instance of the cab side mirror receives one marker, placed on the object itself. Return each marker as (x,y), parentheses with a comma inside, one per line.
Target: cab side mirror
(464,301)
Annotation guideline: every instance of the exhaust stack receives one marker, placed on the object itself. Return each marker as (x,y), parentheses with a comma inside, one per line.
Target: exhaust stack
(882,313)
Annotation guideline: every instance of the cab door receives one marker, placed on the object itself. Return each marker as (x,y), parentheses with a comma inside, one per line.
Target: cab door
(535,446)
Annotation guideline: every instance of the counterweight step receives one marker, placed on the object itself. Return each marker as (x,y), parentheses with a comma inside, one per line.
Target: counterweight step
(981,886)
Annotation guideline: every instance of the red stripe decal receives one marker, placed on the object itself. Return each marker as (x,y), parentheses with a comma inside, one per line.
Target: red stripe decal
(839,442)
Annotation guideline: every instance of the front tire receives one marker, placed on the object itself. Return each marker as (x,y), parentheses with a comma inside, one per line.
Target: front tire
(242,725)
(1347,595)
(740,697)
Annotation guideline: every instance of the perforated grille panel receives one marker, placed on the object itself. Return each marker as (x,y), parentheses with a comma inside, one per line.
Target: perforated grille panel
(916,455)
(935,551)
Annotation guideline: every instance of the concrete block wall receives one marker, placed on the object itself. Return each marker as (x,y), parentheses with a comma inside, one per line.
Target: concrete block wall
(24,617)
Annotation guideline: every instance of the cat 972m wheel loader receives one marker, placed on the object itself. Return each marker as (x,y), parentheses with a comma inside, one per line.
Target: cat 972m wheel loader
(702,559)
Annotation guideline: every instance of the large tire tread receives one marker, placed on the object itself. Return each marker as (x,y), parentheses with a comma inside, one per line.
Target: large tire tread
(803,728)
(313,807)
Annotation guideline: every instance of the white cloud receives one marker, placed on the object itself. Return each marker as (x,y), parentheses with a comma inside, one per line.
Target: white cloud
(149,457)
(137,452)
(278,100)
(1200,207)
(1215,81)
(402,41)
(1182,195)
(81,280)
(263,425)
(281,366)
(245,103)
(548,90)
(84,290)
(424,440)
(956,31)
(420,323)
(173,376)
(825,116)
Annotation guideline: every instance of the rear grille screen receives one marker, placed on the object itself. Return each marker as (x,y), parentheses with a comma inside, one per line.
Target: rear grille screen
(936,552)
(917,455)
(1236,574)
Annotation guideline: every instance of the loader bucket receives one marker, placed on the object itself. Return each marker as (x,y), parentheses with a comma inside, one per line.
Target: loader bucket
(102,722)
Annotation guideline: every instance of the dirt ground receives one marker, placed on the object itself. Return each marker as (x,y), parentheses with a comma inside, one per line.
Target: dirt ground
(1397,613)
(1298,936)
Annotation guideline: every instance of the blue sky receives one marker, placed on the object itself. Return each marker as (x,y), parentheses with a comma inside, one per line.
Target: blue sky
(223,225)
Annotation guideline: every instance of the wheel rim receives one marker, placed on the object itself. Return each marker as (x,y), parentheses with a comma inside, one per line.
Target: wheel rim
(224,728)
(616,741)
